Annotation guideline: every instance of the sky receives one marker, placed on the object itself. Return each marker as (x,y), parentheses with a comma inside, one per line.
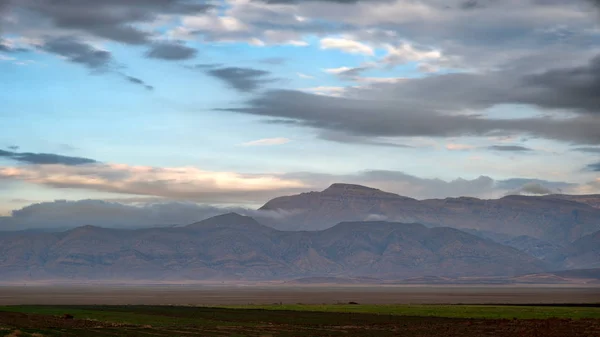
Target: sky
(155,106)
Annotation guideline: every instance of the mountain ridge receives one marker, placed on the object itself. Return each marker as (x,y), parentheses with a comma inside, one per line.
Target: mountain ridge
(229,251)
(557,219)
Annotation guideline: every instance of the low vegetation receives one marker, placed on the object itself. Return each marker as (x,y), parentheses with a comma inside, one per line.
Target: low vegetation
(299,320)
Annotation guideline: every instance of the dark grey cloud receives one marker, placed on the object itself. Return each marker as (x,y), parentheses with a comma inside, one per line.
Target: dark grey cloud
(510,148)
(535,189)
(45,158)
(204,66)
(533,186)
(471,4)
(587,149)
(345,2)
(407,118)
(570,88)
(171,51)
(13,147)
(241,79)
(111,19)
(594,167)
(138,81)
(77,51)
(428,106)
(349,139)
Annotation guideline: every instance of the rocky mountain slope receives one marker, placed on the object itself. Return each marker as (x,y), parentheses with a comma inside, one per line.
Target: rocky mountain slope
(557,220)
(583,253)
(237,247)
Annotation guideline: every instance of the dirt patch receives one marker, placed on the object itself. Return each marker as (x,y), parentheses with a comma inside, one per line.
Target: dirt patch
(34,321)
(345,325)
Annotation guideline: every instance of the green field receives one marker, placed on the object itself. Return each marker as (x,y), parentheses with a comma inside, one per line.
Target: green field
(296,320)
(451,311)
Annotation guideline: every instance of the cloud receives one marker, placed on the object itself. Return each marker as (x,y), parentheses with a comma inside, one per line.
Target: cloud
(351,73)
(125,213)
(114,20)
(171,51)
(138,81)
(405,53)
(267,142)
(400,110)
(7,47)
(594,167)
(588,149)
(510,148)
(535,186)
(428,68)
(304,76)
(349,139)
(76,51)
(148,212)
(408,185)
(69,214)
(44,158)
(344,2)
(459,147)
(13,147)
(346,45)
(187,183)
(241,79)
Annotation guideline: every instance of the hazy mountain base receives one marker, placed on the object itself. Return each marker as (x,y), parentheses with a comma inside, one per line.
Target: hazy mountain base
(233,247)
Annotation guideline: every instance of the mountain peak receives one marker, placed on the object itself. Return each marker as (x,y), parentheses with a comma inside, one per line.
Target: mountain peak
(226,220)
(338,187)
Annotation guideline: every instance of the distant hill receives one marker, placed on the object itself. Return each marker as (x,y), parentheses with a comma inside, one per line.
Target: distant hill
(584,253)
(553,219)
(233,247)
(590,199)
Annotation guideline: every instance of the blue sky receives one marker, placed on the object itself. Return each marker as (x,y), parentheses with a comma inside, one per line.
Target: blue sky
(235,102)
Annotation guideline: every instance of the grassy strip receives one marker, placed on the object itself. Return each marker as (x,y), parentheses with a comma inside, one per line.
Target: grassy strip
(120,315)
(449,311)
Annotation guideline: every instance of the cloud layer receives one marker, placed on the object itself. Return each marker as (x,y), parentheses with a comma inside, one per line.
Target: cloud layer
(44,158)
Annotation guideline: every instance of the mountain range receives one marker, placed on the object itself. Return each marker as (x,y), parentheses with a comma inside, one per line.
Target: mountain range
(557,219)
(343,232)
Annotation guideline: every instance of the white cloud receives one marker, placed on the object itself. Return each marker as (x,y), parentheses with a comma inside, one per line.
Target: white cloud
(337,70)
(308,77)
(297,43)
(407,53)
(210,22)
(256,42)
(379,80)
(347,45)
(267,142)
(168,182)
(6,58)
(326,91)
(459,147)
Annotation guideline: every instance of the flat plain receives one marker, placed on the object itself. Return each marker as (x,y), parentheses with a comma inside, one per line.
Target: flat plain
(244,294)
(259,310)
